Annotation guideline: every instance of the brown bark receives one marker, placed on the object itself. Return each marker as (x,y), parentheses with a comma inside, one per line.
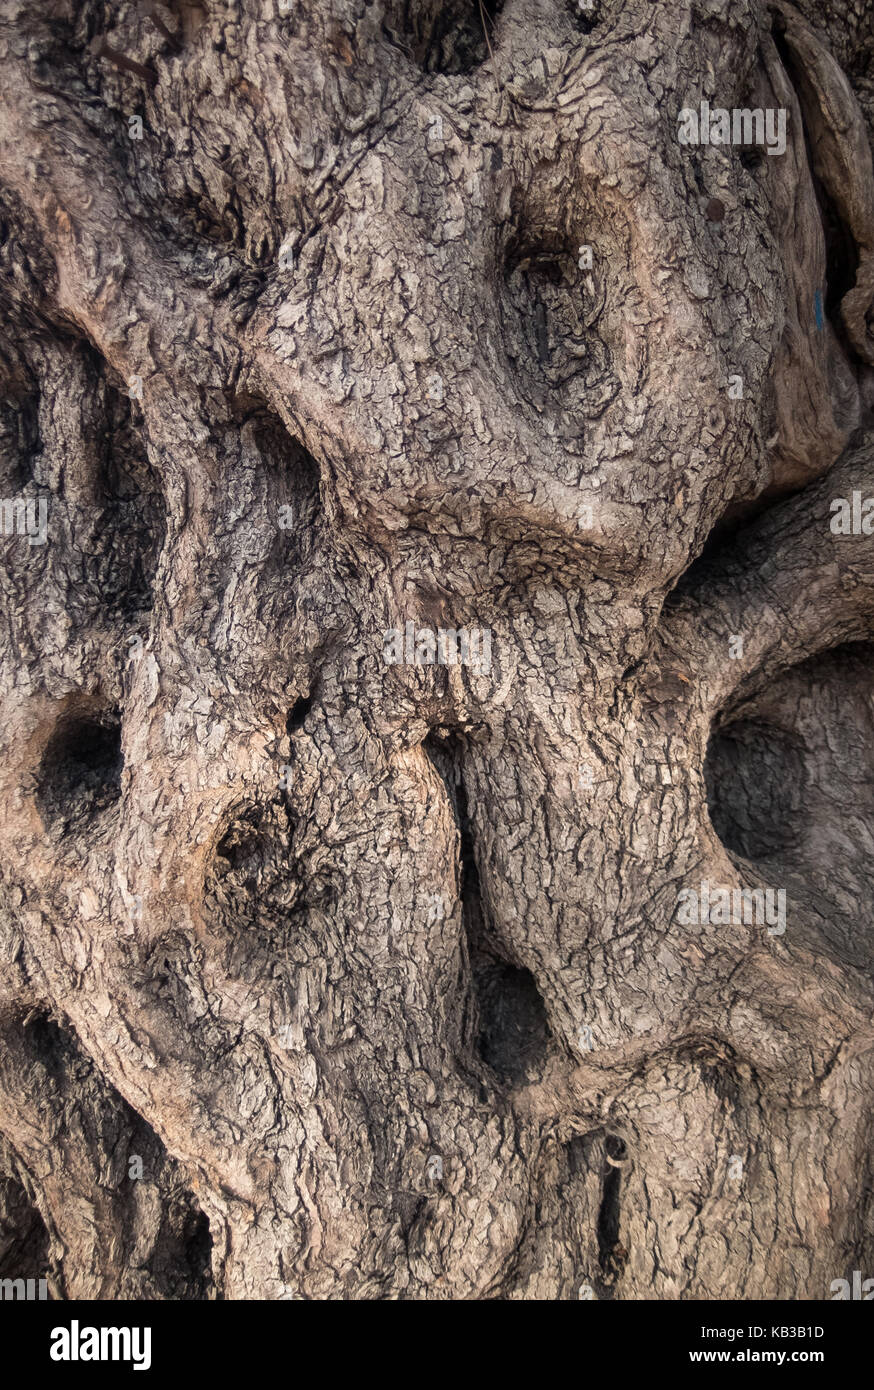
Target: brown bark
(379,968)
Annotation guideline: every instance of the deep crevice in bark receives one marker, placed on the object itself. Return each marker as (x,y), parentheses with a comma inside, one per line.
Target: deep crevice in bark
(162,1249)
(282,478)
(253,894)
(514,1032)
(550,309)
(607,1153)
(510,1028)
(755,774)
(80,770)
(19,434)
(134,513)
(24,1240)
(842,252)
(261,904)
(181,1262)
(586,14)
(298,713)
(451,37)
(609,1214)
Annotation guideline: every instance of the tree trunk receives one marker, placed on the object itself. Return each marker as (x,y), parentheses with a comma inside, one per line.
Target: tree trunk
(444,610)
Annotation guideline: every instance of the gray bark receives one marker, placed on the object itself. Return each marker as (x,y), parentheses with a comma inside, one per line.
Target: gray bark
(378,968)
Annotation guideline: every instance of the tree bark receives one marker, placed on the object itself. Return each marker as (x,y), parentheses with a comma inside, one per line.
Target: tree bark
(331,976)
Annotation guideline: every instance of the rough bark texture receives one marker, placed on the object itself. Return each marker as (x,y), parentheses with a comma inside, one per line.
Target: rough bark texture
(328,978)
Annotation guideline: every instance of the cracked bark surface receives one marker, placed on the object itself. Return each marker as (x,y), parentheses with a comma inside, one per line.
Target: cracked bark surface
(378,968)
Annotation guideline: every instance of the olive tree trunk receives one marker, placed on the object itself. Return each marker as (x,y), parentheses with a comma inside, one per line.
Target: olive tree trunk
(435,587)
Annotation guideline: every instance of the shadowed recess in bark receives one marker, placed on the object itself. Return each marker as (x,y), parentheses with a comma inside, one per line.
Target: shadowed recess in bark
(717,547)
(133,518)
(508,1025)
(259,903)
(842,262)
(550,307)
(180,1264)
(586,14)
(716,1063)
(297,714)
(103,59)
(48,1044)
(590,1181)
(755,787)
(80,771)
(791,782)
(99,482)
(19,431)
(171,1245)
(281,450)
(611,1253)
(164,1237)
(513,1034)
(444,36)
(276,475)
(842,253)
(24,1240)
(67,425)
(788,772)
(252,890)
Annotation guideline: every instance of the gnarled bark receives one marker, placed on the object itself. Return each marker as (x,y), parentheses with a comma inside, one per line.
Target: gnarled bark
(379,968)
